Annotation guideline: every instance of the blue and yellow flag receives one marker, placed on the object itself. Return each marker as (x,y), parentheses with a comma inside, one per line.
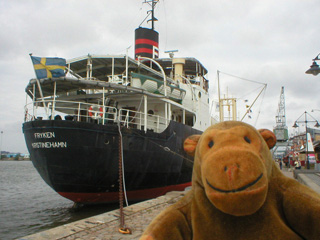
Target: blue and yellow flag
(49,67)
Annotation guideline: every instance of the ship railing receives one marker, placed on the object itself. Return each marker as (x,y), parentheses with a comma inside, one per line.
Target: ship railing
(70,110)
(94,113)
(142,121)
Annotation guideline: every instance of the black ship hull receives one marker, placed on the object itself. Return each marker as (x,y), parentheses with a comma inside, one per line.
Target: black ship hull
(80,160)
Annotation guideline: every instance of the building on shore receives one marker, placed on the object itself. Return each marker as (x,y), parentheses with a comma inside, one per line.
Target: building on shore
(5,155)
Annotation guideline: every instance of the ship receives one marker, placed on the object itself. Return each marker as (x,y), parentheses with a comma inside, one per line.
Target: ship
(115,123)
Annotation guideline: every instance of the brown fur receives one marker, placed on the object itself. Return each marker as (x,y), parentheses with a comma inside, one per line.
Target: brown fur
(238,192)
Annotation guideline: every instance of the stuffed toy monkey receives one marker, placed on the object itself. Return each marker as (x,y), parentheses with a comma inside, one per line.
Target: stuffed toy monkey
(238,192)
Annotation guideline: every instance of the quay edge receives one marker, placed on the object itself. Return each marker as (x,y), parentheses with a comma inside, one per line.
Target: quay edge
(137,216)
(106,225)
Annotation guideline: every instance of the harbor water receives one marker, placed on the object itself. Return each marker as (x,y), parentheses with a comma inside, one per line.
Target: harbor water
(28,205)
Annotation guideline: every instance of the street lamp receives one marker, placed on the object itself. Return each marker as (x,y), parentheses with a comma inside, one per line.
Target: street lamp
(306,122)
(314,68)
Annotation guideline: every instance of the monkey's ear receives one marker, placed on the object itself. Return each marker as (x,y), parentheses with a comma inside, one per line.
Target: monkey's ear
(269,137)
(190,144)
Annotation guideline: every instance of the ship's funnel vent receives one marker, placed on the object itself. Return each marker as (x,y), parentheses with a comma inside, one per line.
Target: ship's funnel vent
(146,43)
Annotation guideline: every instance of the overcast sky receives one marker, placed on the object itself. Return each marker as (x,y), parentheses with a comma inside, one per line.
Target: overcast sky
(268,41)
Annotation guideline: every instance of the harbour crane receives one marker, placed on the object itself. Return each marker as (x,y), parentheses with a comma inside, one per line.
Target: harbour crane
(281,129)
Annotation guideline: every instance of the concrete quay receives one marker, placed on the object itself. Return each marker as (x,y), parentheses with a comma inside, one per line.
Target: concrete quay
(106,226)
(310,178)
(137,216)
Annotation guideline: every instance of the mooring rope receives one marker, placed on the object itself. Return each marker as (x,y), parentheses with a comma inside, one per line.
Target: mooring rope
(167,149)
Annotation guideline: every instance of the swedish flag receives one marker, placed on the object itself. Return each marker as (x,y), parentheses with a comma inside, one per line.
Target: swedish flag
(49,67)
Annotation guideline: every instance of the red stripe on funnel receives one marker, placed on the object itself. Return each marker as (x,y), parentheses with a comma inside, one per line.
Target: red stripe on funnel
(144,50)
(146,41)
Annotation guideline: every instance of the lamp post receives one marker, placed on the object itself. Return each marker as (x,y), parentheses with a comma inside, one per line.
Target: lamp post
(306,123)
(314,68)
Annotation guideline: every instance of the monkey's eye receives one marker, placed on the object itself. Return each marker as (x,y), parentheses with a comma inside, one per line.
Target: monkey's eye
(210,144)
(247,139)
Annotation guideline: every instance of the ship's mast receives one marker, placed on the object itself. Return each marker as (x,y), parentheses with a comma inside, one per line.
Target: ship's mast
(153,19)
(147,39)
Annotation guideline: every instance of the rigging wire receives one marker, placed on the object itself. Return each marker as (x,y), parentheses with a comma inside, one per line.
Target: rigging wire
(246,94)
(252,81)
(130,24)
(260,108)
(263,89)
(166,26)
(144,19)
(242,78)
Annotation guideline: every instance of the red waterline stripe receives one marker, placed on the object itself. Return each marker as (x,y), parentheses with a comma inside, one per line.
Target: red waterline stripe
(114,196)
(147,41)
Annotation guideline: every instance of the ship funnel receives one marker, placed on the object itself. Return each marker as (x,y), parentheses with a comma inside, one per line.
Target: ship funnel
(146,43)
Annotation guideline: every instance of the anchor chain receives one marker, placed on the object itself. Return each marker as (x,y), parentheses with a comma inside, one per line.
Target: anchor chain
(122,228)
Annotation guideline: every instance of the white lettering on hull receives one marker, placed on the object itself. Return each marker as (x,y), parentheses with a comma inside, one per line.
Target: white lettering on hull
(49,145)
(44,135)
(47,135)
